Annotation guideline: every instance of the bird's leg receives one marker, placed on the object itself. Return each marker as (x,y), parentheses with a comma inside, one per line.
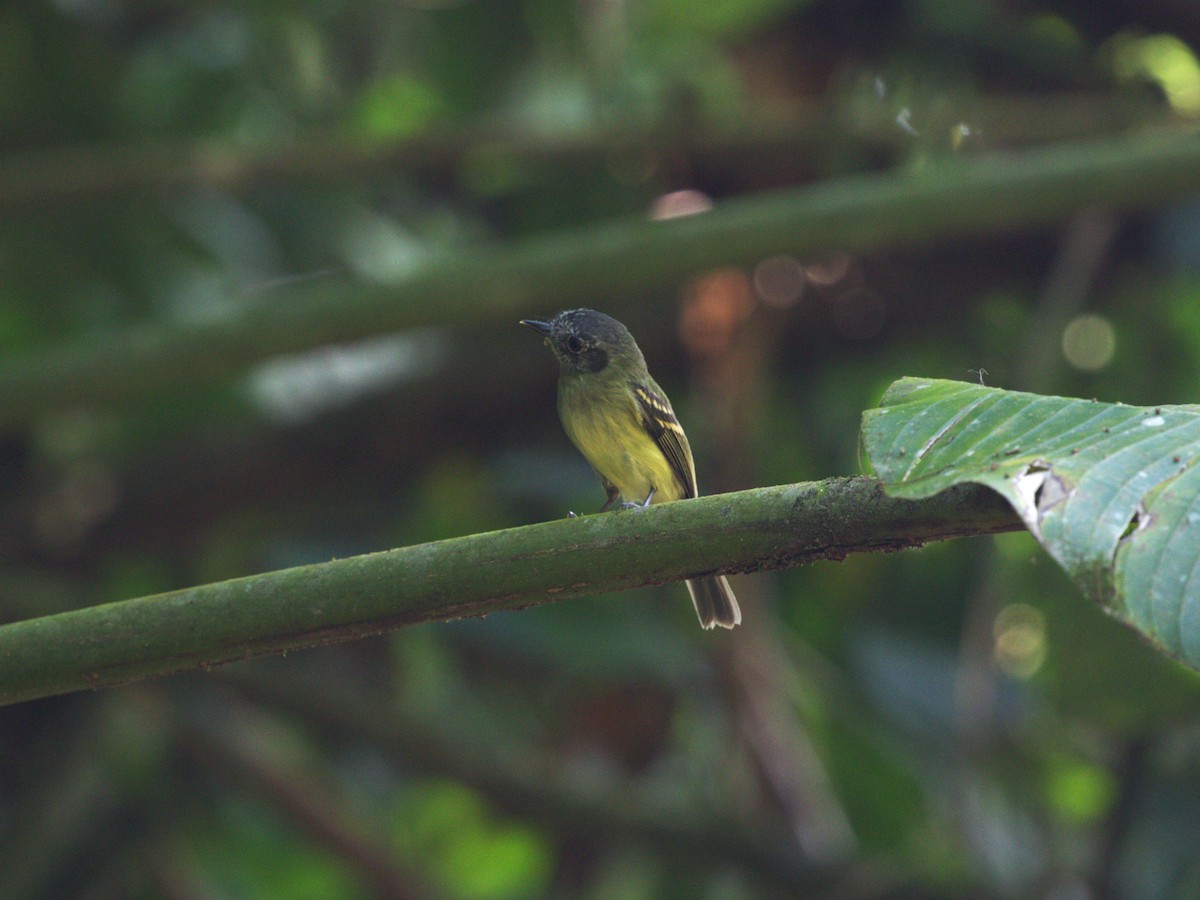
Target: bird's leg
(613,494)
(642,505)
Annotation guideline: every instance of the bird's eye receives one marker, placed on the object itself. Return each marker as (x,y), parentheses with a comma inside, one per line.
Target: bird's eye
(574,344)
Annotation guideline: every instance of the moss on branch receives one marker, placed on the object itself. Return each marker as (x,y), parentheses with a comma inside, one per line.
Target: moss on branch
(764,528)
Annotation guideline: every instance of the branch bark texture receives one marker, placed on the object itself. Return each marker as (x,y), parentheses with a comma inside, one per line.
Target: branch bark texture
(765,528)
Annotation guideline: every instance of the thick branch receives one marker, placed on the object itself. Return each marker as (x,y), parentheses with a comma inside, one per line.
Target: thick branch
(765,528)
(619,259)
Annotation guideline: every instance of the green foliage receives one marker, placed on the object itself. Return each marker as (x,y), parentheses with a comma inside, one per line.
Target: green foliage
(1108,489)
(396,107)
(470,854)
(245,851)
(1079,791)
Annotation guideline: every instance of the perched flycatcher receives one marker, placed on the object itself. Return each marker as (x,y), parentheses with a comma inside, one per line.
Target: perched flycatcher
(623,424)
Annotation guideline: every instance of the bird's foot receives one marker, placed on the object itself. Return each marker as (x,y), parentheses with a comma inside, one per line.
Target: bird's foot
(635,505)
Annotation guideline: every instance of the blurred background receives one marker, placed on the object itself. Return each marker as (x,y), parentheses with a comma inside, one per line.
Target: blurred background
(944,722)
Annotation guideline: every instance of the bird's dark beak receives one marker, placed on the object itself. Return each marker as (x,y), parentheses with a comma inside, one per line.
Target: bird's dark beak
(542,328)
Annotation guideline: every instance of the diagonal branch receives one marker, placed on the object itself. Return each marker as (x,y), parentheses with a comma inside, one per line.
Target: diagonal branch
(623,258)
(522,782)
(765,528)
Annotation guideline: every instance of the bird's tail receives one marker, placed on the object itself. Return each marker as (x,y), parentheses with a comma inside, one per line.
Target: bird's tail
(715,603)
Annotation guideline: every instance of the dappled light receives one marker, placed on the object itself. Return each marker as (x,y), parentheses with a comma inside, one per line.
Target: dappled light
(1166,61)
(296,388)
(779,280)
(680,203)
(713,307)
(1020,632)
(828,272)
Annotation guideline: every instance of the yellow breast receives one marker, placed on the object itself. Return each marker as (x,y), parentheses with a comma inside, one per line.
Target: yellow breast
(608,432)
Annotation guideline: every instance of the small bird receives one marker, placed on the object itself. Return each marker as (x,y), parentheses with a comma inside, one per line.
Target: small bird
(623,424)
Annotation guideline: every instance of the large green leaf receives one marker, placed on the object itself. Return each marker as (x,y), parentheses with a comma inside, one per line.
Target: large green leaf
(1111,491)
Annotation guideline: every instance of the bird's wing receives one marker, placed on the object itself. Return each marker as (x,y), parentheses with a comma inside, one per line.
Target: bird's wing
(659,420)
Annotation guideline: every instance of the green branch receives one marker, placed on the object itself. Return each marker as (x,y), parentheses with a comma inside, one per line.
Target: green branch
(765,528)
(73,174)
(619,259)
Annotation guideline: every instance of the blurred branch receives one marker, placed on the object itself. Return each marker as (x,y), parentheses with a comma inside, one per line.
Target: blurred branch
(1131,770)
(765,528)
(60,801)
(301,796)
(756,667)
(82,803)
(948,201)
(71,174)
(1083,252)
(524,784)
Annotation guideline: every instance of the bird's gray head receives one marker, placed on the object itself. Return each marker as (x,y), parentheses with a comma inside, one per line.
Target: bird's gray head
(586,341)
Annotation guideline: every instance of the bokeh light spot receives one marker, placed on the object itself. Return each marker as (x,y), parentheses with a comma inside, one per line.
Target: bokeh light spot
(713,307)
(779,280)
(1089,342)
(830,271)
(680,203)
(1020,640)
(1080,792)
(1165,60)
